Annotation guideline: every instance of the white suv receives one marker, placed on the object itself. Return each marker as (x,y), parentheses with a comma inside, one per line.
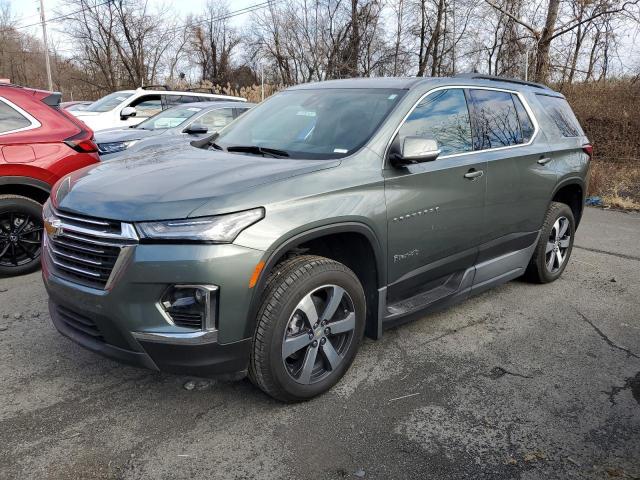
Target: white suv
(130,107)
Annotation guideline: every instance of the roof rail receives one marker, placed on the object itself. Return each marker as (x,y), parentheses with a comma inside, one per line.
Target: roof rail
(155,87)
(495,78)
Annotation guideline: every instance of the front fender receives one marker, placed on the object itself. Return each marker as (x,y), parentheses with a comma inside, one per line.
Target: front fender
(293,239)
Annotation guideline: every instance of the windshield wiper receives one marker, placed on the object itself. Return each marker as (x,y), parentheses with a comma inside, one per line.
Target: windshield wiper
(264,151)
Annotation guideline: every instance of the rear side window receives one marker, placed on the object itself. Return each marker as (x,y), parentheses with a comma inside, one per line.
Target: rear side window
(560,111)
(494,119)
(442,116)
(10,119)
(526,125)
(172,100)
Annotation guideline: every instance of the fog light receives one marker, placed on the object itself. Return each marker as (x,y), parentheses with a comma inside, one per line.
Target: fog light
(191,306)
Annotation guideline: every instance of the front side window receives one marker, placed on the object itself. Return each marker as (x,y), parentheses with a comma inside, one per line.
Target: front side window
(11,119)
(108,102)
(147,106)
(441,116)
(170,118)
(216,119)
(494,119)
(325,123)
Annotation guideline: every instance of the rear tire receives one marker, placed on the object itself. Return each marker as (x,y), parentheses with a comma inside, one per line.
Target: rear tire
(21,231)
(554,245)
(309,328)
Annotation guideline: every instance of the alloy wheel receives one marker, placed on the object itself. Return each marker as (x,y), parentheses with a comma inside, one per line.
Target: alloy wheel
(558,244)
(20,239)
(318,334)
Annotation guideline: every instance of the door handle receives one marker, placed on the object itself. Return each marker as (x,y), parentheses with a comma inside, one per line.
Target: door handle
(544,160)
(473,174)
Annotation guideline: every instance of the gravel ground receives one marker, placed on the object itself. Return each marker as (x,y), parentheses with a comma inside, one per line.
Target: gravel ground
(524,381)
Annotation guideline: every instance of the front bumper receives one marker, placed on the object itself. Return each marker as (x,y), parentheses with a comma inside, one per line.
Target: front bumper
(126,322)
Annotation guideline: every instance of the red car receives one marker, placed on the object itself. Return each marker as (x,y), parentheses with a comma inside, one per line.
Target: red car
(39,143)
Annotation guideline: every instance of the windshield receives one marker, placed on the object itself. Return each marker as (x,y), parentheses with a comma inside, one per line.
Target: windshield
(314,124)
(108,102)
(169,118)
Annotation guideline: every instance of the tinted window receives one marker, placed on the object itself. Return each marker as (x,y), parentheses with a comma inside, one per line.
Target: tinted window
(494,119)
(216,119)
(171,100)
(308,123)
(240,111)
(526,125)
(561,113)
(442,116)
(10,119)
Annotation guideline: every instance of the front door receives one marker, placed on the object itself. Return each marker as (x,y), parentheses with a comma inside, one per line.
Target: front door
(434,209)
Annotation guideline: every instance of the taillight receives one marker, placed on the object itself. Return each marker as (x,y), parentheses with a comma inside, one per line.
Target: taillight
(588,149)
(82,142)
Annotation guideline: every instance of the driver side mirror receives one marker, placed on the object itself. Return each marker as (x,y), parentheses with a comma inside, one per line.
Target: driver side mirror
(127,112)
(196,129)
(416,150)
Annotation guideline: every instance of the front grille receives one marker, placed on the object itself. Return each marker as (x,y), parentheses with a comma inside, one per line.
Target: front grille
(79,323)
(86,250)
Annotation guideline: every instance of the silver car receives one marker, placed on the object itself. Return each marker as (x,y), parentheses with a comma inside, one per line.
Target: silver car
(178,125)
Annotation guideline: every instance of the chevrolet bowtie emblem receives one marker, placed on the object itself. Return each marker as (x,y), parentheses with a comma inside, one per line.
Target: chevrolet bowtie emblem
(53,227)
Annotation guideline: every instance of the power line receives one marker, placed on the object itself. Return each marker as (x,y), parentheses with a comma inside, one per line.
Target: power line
(234,13)
(60,17)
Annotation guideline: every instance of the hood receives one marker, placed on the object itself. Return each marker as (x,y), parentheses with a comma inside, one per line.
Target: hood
(171,183)
(124,134)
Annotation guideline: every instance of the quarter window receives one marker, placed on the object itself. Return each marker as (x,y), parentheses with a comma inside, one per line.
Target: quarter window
(11,120)
(494,119)
(562,115)
(442,116)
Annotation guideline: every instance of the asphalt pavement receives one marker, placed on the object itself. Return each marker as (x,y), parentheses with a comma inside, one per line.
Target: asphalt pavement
(522,382)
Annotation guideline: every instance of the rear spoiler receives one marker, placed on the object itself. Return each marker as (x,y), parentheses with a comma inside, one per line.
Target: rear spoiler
(53,99)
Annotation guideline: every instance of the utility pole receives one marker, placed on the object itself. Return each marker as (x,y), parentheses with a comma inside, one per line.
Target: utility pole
(262,83)
(46,45)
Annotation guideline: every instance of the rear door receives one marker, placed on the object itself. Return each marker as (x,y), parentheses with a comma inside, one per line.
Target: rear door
(520,179)
(434,209)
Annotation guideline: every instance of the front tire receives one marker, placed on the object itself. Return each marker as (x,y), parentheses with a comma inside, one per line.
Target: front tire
(554,245)
(309,328)
(20,235)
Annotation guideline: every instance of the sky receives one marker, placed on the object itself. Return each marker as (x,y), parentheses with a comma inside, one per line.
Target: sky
(27,12)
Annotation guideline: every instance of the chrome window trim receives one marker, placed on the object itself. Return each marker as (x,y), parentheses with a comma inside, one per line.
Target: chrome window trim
(522,98)
(34,122)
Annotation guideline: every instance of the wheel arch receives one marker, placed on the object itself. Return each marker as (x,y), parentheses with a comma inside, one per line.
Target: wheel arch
(571,191)
(29,187)
(351,243)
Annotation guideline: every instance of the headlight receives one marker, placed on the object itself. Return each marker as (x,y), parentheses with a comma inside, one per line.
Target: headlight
(114,147)
(218,229)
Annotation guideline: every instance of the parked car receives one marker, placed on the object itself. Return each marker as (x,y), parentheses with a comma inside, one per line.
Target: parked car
(177,125)
(328,210)
(75,105)
(39,143)
(130,107)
